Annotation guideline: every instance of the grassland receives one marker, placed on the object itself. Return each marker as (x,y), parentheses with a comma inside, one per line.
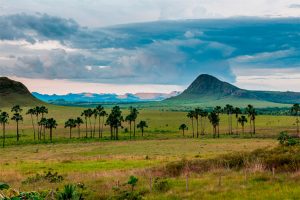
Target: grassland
(100,164)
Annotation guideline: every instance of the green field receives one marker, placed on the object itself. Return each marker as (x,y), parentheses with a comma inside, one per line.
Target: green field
(100,164)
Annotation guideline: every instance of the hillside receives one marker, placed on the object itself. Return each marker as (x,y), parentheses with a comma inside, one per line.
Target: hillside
(13,92)
(207,88)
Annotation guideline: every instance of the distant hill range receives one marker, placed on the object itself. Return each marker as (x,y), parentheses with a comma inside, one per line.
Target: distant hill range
(13,93)
(103,98)
(209,88)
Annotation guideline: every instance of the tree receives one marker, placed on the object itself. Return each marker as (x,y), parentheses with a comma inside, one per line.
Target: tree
(142,125)
(129,119)
(295,111)
(70,123)
(16,109)
(242,120)
(115,120)
(87,115)
(102,114)
(198,112)
(78,122)
(214,120)
(228,109)
(37,114)
(42,110)
(32,112)
(17,117)
(250,110)
(191,115)
(237,111)
(51,124)
(183,127)
(132,181)
(95,114)
(134,112)
(3,121)
(203,116)
(99,109)
(218,110)
(42,123)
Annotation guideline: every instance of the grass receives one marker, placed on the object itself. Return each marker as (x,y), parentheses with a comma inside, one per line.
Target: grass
(99,164)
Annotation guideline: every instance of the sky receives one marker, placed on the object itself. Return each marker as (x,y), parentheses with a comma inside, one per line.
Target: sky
(122,46)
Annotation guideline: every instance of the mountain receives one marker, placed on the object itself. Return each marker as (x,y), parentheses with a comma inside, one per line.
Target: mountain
(209,88)
(104,98)
(13,92)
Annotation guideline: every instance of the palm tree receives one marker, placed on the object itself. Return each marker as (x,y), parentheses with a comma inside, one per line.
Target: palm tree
(183,127)
(295,111)
(134,112)
(42,123)
(32,112)
(215,121)
(95,114)
(78,122)
(3,121)
(191,115)
(115,120)
(16,109)
(87,115)
(242,120)
(228,109)
(51,124)
(198,112)
(102,114)
(17,117)
(70,123)
(99,109)
(42,110)
(142,125)
(237,111)
(218,110)
(129,119)
(250,110)
(110,122)
(37,113)
(203,116)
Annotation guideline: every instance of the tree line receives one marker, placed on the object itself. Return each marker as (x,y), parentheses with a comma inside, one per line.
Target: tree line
(94,120)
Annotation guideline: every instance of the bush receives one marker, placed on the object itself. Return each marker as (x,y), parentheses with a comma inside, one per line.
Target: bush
(285,139)
(48,176)
(161,185)
(176,168)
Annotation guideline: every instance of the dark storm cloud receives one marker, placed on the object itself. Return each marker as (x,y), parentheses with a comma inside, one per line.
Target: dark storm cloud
(157,52)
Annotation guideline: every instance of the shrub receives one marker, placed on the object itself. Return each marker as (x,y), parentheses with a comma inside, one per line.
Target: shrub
(176,168)
(285,139)
(161,185)
(69,193)
(48,176)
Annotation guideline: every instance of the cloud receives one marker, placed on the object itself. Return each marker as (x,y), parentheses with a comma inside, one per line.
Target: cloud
(294,6)
(167,52)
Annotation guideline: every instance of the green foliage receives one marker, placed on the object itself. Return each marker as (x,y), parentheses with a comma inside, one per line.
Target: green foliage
(285,139)
(132,181)
(161,185)
(69,193)
(47,176)
(4,186)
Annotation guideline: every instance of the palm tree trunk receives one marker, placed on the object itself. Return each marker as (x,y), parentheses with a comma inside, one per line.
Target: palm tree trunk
(17,131)
(3,134)
(102,127)
(197,121)
(78,127)
(70,133)
(142,132)
(86,129)
(99,130)
(134,128)
(33,125)
(130,129)
(243,129)
(38,127)
(94,131)
(183,132)
(44,132)
(111,132)
(193,127)
(51,134)
(254,127)
(117,133)
(91,129)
